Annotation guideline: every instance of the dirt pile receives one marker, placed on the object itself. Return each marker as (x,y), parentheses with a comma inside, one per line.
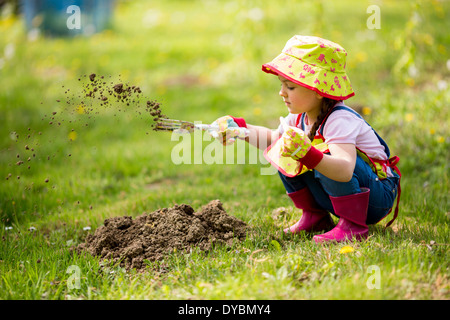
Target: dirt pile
(151,236)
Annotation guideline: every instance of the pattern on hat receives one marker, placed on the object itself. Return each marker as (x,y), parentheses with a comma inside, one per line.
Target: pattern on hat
(315,63)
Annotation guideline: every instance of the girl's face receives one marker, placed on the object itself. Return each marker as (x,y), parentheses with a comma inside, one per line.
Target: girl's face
(299,99)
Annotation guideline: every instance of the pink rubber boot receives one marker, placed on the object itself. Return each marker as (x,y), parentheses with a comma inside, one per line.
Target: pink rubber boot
(313,218)
(352,210)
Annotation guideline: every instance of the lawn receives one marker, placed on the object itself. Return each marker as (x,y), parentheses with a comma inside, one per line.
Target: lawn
(202,60)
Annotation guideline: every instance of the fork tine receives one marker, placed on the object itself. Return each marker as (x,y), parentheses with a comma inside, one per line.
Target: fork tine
(167,126)
(173,124)
(170,121)
(163,129)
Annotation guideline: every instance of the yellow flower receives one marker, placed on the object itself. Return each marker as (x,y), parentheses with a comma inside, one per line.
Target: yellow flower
(257,98)
(212,63)
(6,23)
(161,89)
(73,135)
(361,56)
(366,111)
(346,249)
(441,139)
(125,74)
(80,109)
(428,39)
(432,131)
(256,111)
(409,117)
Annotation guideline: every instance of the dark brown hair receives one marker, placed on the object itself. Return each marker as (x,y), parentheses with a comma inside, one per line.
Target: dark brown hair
(327,104)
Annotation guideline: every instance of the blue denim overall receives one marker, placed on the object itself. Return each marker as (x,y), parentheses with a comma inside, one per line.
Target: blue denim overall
(382,191)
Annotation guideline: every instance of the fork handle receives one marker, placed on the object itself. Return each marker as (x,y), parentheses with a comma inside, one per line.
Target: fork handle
(206,127)
(213,130)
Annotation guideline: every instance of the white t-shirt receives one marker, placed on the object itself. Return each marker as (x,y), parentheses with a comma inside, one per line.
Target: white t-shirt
(343,126)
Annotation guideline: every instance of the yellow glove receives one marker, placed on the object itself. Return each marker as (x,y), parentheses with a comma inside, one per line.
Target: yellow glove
(296,144)
(227,129)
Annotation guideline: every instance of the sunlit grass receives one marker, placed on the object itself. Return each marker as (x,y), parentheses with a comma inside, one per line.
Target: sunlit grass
(202,66)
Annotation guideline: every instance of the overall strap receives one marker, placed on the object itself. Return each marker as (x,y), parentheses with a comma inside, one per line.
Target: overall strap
(300,120)
(393,164)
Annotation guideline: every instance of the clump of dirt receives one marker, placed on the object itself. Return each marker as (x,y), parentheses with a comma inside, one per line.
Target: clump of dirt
(116,94)
(70,115)
(152,236)
(93,95)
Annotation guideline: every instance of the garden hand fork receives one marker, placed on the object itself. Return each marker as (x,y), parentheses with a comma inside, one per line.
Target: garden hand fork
(179,126)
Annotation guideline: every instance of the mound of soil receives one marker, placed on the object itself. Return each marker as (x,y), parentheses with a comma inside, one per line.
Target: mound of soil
(151,236)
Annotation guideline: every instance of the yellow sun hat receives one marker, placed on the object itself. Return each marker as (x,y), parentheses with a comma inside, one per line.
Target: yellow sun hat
(314,63)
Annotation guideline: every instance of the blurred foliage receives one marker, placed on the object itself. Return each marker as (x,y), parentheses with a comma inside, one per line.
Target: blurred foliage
(202,59)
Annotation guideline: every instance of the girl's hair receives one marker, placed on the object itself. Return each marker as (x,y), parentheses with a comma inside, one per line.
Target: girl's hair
(327,104)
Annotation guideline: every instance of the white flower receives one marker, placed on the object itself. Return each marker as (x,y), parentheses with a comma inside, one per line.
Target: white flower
(178,17)
(8,228)
(9,51)
(13,135)
(151,18)
(87,228)
(442,85)
(413,71)
(33,34)
(256,14)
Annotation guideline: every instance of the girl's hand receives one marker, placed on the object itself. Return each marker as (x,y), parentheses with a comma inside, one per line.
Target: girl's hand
(297,145)
(224,123)
(228,129)
(295,142)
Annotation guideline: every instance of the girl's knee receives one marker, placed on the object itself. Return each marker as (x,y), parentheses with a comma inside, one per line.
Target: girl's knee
(336,188)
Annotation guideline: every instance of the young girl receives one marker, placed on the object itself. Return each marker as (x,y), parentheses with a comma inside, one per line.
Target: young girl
(329,159)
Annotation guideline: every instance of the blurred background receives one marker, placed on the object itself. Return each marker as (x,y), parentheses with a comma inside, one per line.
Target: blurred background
(51,17)
(202,59)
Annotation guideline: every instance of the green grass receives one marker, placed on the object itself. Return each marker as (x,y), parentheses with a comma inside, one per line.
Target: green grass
(202,66)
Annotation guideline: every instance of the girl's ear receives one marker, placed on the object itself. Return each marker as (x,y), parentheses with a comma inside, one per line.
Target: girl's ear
(318,96)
